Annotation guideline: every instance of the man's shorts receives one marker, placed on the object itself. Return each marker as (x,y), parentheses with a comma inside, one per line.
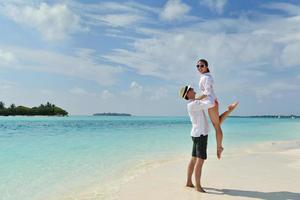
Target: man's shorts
(200,147)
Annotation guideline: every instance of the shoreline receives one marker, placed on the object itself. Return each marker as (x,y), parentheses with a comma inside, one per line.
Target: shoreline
(248,173)
(269,171)
(111,188)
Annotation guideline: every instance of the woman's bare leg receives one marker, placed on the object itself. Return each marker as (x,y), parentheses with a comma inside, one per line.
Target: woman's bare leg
(218,120)
(225,114)
(215,119)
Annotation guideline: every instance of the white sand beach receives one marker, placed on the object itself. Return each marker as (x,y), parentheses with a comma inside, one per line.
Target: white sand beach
(269,171)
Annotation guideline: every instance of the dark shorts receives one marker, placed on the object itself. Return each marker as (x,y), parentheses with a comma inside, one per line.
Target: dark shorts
(200,147)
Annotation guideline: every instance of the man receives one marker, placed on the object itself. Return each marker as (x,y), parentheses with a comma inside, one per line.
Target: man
(199,135)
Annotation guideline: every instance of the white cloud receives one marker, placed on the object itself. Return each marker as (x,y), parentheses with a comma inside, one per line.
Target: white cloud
(106,94)
(114,14)
(5,85)
(82,65)
(290,55)
(243,53)
(228,44)
(120,20)
(276,89)
(6,57)
(158,93)
(46,92)
(146,93)
(135,90)
(54,22)
(215,5)
(174,10)
(113,7)
(78,91)
(287,7)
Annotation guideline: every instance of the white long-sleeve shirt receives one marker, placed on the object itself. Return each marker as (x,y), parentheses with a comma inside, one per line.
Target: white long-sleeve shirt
(206,85)
(198,118)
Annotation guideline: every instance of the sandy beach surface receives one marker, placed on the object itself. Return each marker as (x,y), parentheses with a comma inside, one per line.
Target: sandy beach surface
(269,171)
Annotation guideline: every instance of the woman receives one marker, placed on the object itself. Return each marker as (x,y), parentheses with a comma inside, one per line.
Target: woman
(208,96)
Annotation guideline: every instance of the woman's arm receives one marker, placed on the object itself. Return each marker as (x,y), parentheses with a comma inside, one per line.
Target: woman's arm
(201,97)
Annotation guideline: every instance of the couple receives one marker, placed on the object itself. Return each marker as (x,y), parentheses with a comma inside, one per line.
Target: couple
(196,107)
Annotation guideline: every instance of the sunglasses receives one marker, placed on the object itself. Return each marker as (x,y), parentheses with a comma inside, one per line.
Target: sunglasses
(200,65)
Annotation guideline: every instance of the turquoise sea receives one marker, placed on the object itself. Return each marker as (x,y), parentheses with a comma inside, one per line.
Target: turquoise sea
(48,157)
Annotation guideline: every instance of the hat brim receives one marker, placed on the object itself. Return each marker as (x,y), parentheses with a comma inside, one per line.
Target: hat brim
(186,91)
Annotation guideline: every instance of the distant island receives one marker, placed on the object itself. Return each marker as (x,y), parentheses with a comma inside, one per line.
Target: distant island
(268,116)
(46,110)
(111,114)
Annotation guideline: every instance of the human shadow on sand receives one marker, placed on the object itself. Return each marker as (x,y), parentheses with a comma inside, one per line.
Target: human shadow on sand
(282,195)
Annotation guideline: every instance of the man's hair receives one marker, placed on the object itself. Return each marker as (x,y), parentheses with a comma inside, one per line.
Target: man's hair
(205,63)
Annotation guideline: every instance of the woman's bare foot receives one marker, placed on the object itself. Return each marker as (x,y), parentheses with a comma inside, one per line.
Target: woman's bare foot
(232,106)
(190,185)
(219,152)
(200,189)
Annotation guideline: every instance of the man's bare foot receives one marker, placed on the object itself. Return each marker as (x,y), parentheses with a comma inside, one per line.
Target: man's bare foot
(219,152)
(190,185)
(200,189)
(232,106)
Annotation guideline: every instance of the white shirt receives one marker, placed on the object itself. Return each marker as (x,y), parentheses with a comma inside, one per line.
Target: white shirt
(206,84)
(198,118)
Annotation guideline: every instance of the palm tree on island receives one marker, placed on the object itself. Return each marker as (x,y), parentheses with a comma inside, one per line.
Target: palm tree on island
(2,105)
(46,110)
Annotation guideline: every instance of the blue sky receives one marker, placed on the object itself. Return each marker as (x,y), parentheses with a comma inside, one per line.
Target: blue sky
(133,56)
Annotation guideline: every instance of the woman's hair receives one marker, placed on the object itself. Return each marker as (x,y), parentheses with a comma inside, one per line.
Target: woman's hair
(205,63)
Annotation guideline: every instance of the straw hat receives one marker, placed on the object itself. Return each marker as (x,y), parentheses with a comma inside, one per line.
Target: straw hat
(183,91)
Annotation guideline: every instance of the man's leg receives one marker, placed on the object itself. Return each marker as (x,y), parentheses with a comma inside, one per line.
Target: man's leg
(190,171)
(198,171)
